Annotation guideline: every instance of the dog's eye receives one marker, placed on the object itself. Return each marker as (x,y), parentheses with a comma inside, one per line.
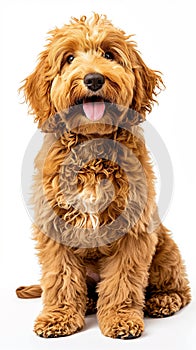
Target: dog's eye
(108,55)
(70,59)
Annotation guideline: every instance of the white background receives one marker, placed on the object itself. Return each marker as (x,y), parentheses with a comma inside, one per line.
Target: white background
(165,33)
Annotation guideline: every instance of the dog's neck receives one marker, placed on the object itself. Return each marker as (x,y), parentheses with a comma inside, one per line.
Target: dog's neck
(71,124)
(121,135)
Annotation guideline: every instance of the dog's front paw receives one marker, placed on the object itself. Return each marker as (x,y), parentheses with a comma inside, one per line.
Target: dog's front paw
(122,325)
(58,323)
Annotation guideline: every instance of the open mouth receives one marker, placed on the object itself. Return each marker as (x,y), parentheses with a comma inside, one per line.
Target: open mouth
(93,107)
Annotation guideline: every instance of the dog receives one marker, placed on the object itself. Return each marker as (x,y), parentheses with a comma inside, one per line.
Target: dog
(100,242)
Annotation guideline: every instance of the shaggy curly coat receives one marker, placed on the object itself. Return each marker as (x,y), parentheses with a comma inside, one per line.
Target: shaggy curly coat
(100,241)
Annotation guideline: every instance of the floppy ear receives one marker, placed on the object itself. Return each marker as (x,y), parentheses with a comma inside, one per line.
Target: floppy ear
(148,83)
(37,90)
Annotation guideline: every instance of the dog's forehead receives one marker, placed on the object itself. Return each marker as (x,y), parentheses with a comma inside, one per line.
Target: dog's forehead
(88,36)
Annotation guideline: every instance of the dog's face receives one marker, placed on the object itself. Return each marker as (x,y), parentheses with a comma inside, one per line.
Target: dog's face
(92,64)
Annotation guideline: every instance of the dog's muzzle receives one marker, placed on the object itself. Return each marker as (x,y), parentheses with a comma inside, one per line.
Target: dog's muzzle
(94,107)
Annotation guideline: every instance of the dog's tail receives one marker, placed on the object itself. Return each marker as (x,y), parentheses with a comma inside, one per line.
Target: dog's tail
(35,291)
(29,292)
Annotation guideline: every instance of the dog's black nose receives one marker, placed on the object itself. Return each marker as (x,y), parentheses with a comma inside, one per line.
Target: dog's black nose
(94,81)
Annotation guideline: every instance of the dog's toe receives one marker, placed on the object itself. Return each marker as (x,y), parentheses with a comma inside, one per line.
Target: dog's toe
(130,336)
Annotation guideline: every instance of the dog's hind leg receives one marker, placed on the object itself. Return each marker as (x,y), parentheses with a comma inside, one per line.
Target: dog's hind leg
(168,288)
(92,296)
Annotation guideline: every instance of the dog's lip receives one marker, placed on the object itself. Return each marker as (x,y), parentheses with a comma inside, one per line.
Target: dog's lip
(88,99)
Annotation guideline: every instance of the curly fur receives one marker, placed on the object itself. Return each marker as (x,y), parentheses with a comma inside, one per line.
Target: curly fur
(95,212)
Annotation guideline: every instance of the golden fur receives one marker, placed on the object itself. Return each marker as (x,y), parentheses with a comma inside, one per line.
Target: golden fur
(99,228)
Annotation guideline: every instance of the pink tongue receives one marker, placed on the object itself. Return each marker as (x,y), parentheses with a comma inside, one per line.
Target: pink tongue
(94,110)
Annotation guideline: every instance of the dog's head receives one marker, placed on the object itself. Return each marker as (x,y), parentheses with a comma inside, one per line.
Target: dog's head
(91,64)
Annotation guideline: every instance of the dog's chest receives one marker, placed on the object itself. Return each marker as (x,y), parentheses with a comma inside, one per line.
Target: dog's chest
(90,173)
(99,174)
(89,179)
(98,191)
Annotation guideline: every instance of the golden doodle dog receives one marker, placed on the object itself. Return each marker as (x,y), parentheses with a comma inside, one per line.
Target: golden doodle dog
(101,244)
